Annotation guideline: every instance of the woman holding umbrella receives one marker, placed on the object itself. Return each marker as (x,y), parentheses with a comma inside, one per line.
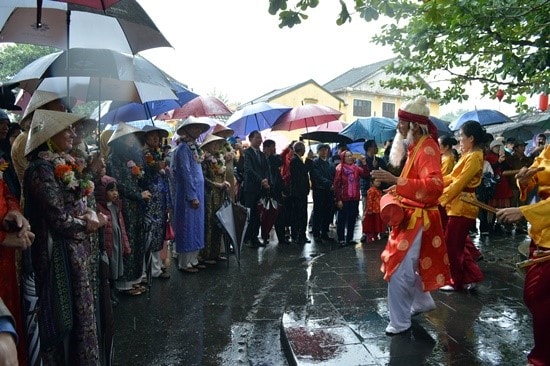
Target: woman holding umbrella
(125,163)
(216,186)
(156,182)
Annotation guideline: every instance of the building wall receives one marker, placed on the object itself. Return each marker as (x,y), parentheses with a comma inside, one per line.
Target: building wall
(309,93)
(372,91)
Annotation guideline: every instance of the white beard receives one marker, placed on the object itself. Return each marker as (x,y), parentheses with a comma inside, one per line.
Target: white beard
(398,147)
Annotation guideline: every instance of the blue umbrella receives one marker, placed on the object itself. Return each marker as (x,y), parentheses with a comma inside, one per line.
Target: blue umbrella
(141,111)
(442,126)
(379,129)
(485,117)
(258,116)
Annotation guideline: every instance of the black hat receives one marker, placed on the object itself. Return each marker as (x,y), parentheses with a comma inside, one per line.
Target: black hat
(519,143)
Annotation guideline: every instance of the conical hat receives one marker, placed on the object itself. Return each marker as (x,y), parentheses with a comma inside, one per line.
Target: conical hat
(211,138)
(39,99)
(162,132)
(46,124)
(191,120)
(124,129)
(222,131)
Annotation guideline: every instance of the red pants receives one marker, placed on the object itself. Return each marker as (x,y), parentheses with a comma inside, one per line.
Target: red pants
(536,294)
(464,268)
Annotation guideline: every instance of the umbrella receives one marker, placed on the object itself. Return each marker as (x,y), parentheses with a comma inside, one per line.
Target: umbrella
(379,129)
(268,210)
(258,116)
(485,117)
(233,219)
(523,127)
(328,132)
(442,126)
(304,116)
(136,112)
(124,26)
(202,106)
(96,74)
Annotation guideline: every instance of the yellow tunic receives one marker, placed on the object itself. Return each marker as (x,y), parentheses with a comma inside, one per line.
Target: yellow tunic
(447,163)
(465,177)
(538,214)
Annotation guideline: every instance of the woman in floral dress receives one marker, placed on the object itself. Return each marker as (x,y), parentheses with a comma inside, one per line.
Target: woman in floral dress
(125,163)
(156,182)
(216,186)
(56,191)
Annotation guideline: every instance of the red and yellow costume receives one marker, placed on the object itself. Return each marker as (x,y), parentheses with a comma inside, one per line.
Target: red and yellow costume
(536,292)
(464,179)
(419,187)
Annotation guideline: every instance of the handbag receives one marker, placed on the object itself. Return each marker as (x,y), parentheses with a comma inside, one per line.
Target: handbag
(169,232)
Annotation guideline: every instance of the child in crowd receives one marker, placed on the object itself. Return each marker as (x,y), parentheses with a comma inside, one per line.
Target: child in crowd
(113,235)
(373,226)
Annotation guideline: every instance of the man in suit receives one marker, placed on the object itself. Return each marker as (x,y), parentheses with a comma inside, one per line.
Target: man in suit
(322,176)
(299,190)
(255,182)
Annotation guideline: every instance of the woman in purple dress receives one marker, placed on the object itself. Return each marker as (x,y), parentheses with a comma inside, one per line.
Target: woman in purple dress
(189,194)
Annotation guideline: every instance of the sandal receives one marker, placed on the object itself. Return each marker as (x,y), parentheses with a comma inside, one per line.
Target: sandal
(132,292)
(164,275)
(189,270)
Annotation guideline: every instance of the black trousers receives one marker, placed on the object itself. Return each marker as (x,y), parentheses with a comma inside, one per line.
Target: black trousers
(323,204)
(298,215)
(251,201)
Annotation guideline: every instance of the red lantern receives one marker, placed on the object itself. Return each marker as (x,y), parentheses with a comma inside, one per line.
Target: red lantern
(543,102)
(500,94)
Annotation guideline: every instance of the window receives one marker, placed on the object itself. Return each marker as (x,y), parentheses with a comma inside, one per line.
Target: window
(361,108)
(388,110)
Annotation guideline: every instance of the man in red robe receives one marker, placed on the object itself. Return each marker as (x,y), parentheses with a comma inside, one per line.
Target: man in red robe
(415,259)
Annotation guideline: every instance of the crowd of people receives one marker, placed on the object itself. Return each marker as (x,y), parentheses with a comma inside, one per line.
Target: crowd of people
(98,222)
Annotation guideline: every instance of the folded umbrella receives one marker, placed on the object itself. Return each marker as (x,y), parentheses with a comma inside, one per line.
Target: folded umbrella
(268,209)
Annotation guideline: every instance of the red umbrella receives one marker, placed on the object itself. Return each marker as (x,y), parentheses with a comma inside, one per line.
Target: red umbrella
(202,106)
(304,116)
(269,211)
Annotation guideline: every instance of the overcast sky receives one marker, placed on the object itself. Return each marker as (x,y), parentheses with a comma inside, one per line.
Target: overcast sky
(235,48)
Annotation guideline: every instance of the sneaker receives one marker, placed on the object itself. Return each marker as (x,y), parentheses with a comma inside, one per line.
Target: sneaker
(422,311)
(391,331)
(447,288)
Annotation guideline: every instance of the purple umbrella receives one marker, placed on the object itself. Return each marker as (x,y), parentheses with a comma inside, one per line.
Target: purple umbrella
(257,116)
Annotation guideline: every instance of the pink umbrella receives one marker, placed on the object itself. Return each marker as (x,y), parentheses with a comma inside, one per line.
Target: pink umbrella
(304,116)
(202,106)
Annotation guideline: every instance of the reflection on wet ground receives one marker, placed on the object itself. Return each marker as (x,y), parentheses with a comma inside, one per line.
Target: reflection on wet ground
(324,305)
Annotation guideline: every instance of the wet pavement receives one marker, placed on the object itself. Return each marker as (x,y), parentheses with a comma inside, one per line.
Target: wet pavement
(319,304)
